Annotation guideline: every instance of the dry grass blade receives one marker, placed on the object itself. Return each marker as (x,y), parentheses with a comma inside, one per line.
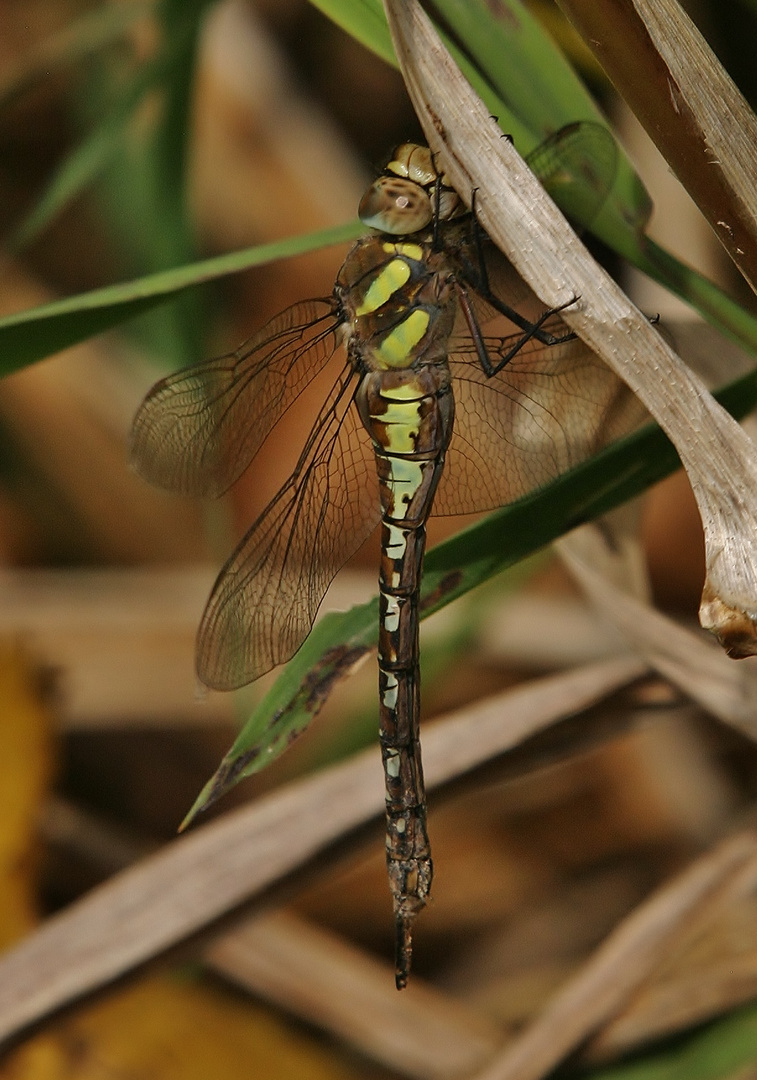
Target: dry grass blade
(688,104)
(123,637)
(431,1036)
(720,459)
(619,966)
(728,691)
(693,992)
(514,633)
(322,978)
(202,876)
(665,1010)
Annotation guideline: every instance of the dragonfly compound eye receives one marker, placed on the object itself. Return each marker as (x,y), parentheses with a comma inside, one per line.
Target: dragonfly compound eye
(395,205)
(414,162)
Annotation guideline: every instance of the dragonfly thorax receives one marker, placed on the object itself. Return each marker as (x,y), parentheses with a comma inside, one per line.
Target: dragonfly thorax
(409,192)
(399,303)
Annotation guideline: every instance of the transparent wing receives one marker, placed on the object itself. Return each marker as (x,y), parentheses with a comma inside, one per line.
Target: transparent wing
(550,408)
(266,597)
(577,166)
(198,429)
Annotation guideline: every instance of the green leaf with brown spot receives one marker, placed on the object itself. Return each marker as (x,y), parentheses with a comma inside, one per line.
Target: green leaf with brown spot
(475,554)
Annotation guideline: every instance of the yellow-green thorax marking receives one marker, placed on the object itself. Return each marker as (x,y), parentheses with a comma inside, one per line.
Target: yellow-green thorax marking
(399,302)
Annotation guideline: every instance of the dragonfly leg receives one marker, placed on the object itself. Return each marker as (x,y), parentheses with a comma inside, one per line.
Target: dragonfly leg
(533,331)
(477,276)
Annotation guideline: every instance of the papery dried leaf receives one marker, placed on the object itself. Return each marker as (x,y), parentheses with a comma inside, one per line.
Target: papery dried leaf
(172,1029)
(690,107)
(686,659)
(25,766)
(735,630)
(720,459)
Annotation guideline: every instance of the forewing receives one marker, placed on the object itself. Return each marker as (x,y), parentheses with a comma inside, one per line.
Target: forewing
(266,597)
(550,408)
(577,166)
(198,429)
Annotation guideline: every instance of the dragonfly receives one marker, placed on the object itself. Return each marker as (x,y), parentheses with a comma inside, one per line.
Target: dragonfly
(440,391)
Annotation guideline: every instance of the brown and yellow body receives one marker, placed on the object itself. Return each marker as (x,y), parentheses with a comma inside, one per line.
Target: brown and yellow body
(530,402)
(400,306)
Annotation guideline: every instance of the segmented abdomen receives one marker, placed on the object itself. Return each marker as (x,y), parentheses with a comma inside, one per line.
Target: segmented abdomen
(409,415)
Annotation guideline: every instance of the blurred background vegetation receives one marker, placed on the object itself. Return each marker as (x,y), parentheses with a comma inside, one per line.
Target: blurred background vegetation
(136,137)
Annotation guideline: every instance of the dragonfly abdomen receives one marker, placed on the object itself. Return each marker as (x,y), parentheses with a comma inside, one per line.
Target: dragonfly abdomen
(409,415)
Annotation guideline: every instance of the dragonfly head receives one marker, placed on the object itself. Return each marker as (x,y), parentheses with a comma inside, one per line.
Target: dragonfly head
(409,192)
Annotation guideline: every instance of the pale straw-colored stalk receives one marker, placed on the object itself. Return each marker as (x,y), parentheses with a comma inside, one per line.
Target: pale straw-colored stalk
(516,212)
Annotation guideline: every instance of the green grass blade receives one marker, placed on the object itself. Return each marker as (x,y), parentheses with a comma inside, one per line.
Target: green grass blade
(451,569)
(90,157)
(365,21)
(522,63)
(166,236)
(32,335)
(725,1050)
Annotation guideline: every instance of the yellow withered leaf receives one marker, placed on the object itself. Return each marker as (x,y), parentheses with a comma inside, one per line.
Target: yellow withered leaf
(163,1027)
(166,1028)
(25,765)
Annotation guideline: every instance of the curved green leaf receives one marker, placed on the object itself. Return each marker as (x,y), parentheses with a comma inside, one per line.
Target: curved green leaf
(39,332)
(363,20)
(340,641)
(725,1050)
(529,85)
